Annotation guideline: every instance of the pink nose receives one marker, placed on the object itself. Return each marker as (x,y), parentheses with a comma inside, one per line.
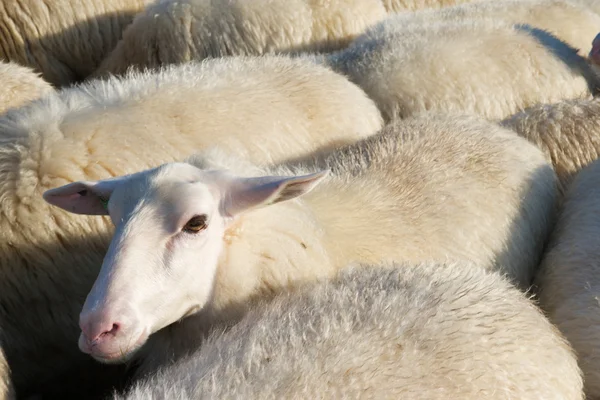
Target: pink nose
(96,329)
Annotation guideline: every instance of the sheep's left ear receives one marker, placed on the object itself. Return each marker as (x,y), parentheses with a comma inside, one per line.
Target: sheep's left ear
(244,194)
(83,197)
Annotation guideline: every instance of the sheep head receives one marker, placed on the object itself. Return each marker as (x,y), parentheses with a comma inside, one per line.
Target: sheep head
(170,224)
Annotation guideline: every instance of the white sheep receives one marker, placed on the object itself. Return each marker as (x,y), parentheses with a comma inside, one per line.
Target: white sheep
(567,132)
(571,22)
(433,331)
(19,85)
(65,40)
(176,31)
(413,5)
(569,281)
(267,109)
(481,66)
(435,187)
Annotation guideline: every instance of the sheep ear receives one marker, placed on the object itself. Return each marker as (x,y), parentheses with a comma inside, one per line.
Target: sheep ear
(245,194)
(83,197)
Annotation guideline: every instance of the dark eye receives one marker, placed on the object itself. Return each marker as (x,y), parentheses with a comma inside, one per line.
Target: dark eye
(195,224)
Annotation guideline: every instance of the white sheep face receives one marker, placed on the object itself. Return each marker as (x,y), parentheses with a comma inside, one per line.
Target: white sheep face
(170,224)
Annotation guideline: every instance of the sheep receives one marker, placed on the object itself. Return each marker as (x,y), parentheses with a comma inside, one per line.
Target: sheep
(455,67)
(571,22)
(568,283)
(6,392)
(65,40)
(567,132)
(177,31)
(434,187)
(406,331)
(395,6)
(266,109)
(20,85)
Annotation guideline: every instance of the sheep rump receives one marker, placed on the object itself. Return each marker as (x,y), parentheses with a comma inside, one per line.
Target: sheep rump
(422,331)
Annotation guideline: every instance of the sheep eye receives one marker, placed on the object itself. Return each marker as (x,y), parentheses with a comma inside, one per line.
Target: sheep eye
(195,224)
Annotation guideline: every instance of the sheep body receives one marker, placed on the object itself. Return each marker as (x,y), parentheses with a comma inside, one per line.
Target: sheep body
(573,23)
(434,187)
(407,168)
(267,109)
(567,132)
(421,331)
(454,66)
(65,40)
(568,282)
(170,32)
(20,85)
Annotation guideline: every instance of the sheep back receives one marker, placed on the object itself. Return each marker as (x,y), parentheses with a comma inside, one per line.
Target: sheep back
(485,67)
(418,331)
(173,32)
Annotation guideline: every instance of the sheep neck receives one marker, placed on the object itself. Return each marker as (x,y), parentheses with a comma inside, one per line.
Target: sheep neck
(270,248)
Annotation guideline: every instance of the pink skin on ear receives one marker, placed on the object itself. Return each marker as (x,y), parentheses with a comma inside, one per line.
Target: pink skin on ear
(247,193)
(594,55)
(88,198)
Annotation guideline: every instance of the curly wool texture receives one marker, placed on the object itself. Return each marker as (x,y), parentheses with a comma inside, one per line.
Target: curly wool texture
(456,66)
(567,132)
(65,40)
(569,278)
(177,31)
(266,109)
(20,85)
(433,187)
(406,331)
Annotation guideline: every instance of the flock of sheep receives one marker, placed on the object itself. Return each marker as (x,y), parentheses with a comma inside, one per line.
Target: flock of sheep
(259,199)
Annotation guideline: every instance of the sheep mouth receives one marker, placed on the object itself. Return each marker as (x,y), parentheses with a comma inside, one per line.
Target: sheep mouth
(122,355)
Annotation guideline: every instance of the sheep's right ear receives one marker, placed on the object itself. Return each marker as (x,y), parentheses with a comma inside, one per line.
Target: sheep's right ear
(245,194)
(83,197)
